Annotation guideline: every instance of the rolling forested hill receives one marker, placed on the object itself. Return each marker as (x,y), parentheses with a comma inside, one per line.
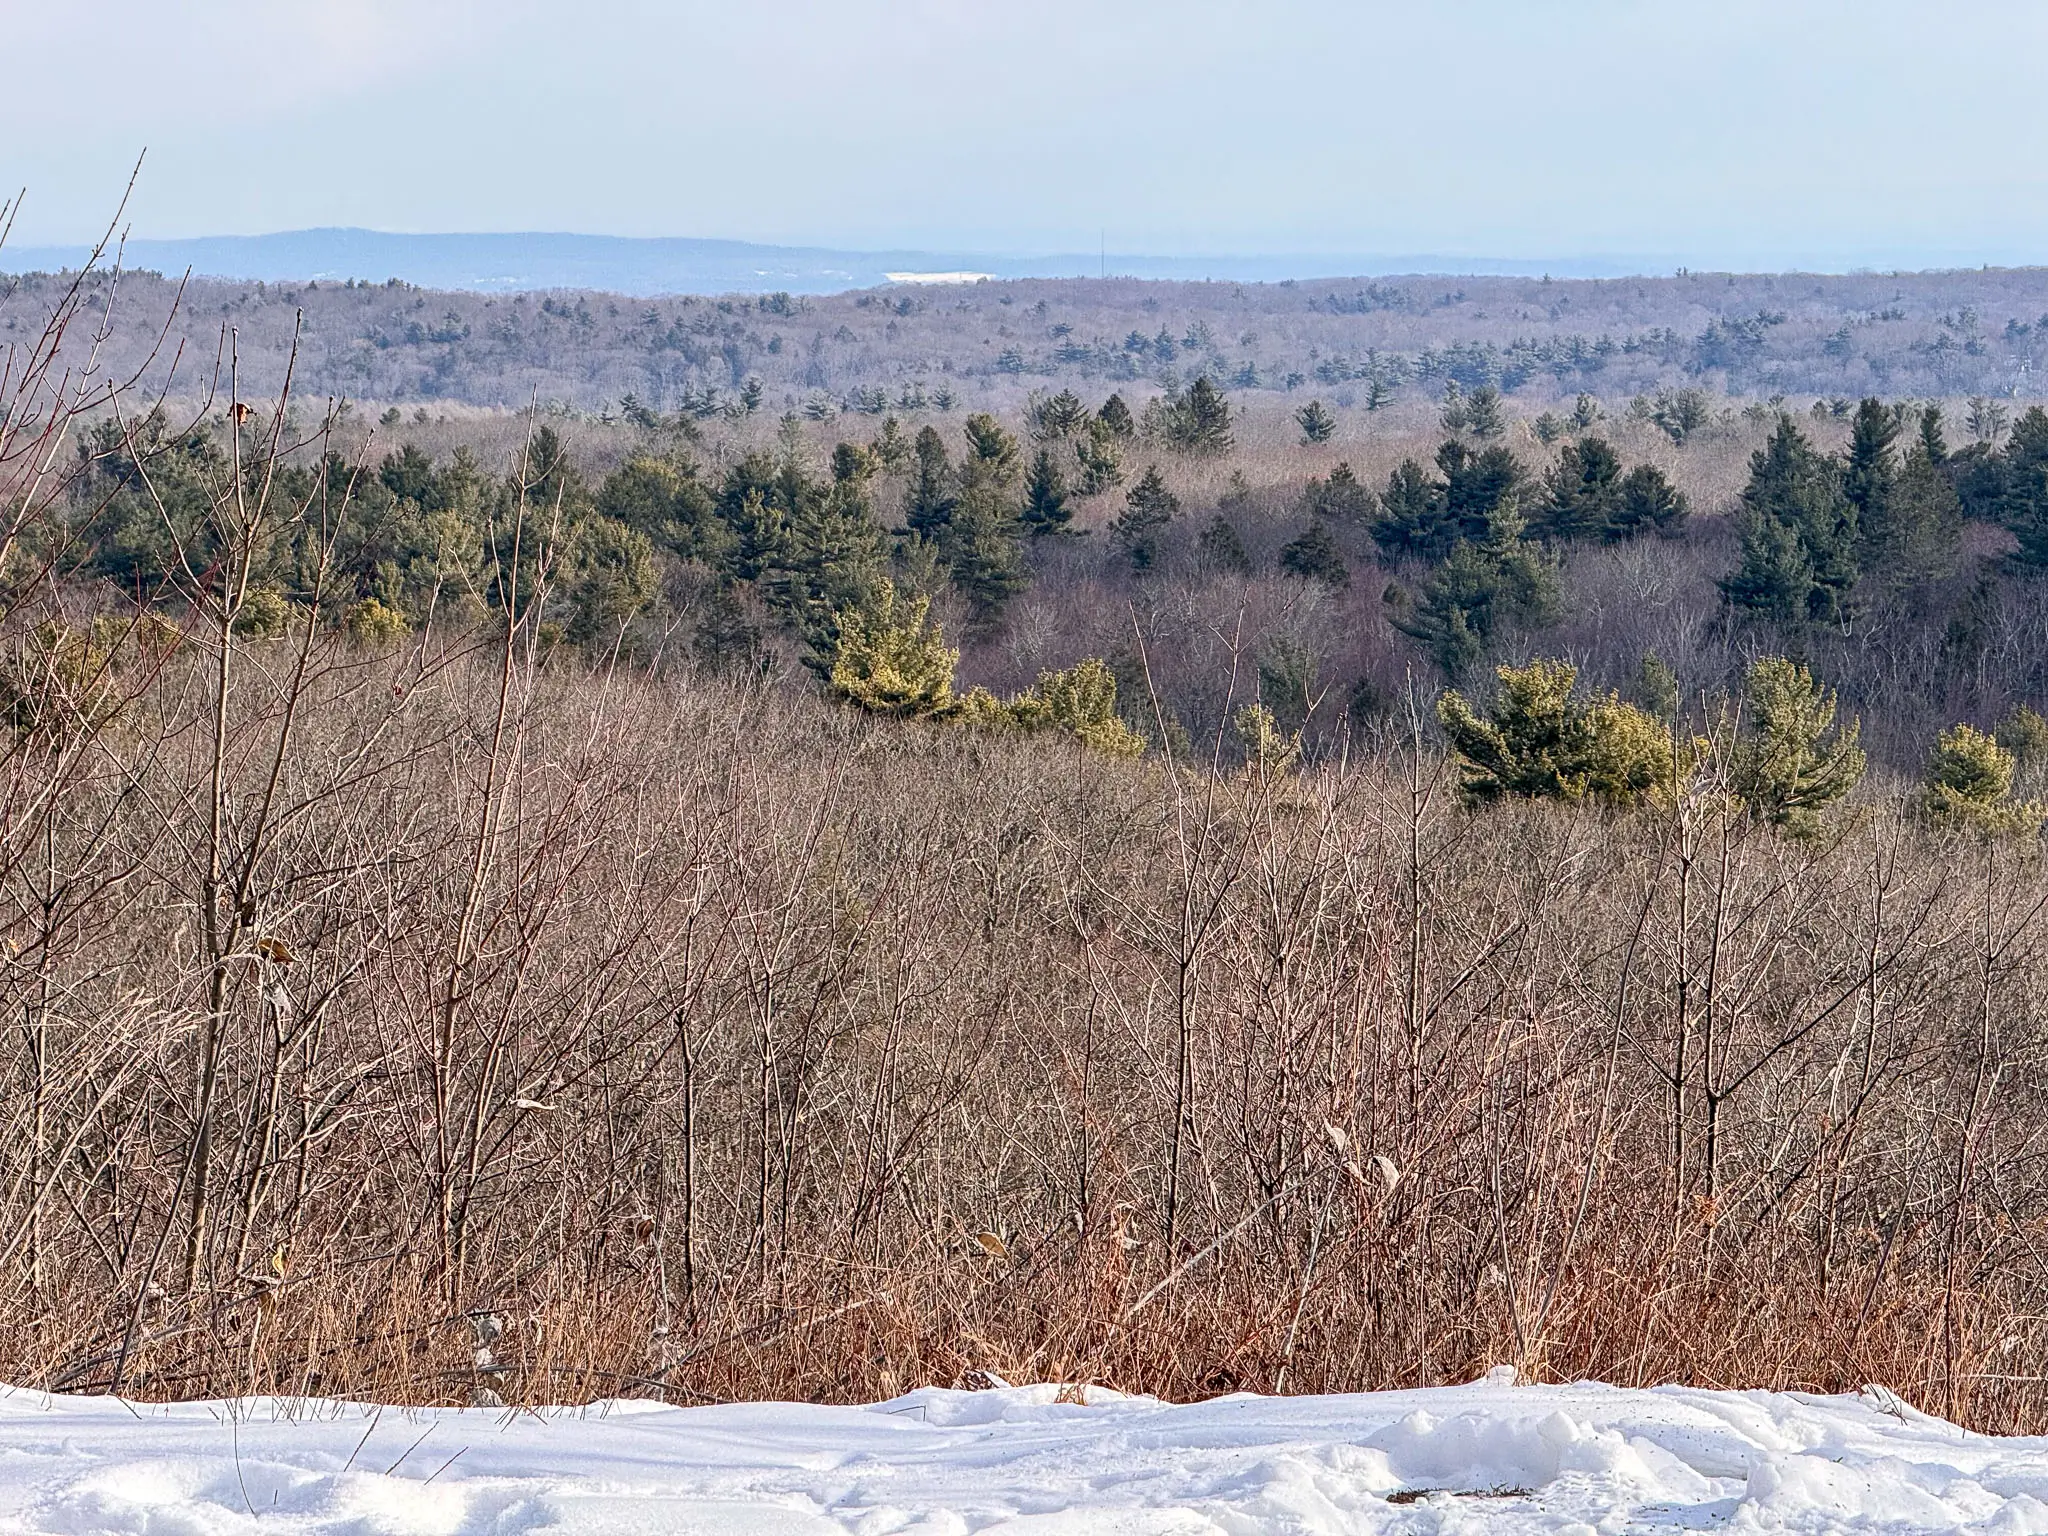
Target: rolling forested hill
(986,345)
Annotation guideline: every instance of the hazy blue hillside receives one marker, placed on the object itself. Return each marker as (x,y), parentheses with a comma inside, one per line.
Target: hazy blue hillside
(514,262)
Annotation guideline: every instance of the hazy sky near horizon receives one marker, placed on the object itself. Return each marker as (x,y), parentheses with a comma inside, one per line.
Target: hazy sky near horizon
(1734,133)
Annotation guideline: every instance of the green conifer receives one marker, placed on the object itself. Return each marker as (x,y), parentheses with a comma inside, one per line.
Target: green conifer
(1099,450)
(1581,494)
(1045,498)
(1798,535)
(1649,503)
(1148,507)
(1539,741)
(1479,594)
(1969,786)
(1792,762)
(933,493)
(1317,424)
(1198,420)
(1314,556)
(890,657)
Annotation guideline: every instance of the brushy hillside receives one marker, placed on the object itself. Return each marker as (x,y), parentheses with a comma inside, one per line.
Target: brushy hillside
(570,907)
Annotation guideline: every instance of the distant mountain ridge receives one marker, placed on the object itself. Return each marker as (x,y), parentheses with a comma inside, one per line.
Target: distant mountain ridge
(513,263)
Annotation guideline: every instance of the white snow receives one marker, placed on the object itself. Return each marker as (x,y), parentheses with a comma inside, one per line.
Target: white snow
(1490,1457)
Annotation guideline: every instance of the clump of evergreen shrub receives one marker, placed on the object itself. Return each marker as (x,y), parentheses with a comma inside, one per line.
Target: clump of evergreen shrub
(892,658)
(1080,701)
(1540,741)
(1792,762)
(1969,786)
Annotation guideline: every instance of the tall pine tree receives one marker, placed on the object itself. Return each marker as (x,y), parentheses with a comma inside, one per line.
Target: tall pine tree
(1148,507)
(1581,493)
(1798,535)
(1045,497)
(832,556)
(1870,477)
(929,499)
(982,543)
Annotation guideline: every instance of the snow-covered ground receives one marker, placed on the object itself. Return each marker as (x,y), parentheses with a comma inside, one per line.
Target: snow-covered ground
(1490,1457)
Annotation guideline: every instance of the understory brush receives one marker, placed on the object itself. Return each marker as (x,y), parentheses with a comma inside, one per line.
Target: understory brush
(566,1033)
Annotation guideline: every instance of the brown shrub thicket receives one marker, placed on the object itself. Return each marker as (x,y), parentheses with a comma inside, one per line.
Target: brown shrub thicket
(724,1045)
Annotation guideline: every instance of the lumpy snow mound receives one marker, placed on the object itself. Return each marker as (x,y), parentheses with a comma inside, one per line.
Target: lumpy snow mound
(1489,1457)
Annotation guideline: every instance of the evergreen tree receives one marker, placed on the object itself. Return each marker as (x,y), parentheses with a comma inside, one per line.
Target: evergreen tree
(890,657)
(2024,502)
(831,558)
(993,457)
(610,577)
(1116,416)
(665,500)
(1581,496)
(1479,497)
(1476,597)
(1775,580)
(1681,413)
(1969,785)
(1798,535)
(1100,453)
(551,477)
(409,475)
(2024,734)
(892,450)
(1317,424)
(1198,420)
(1987,419)
(1931,438)
(1792,763)
(1482,491)
(1289,682)
(1483,414)
(1870,476)
(1270,751)
(1314,556)
(1915,533)
(1411,515)
(1059,417)
(1541,742)
(929,499)
(982,544)
(1451,414)
(1649,504)
(1079,701)
(1045,498)
(750,504)
(1221,549)
(1340,498)
(1657,687)
(1148,507)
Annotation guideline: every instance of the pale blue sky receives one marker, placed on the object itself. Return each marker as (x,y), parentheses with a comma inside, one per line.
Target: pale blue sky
(1718,132)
